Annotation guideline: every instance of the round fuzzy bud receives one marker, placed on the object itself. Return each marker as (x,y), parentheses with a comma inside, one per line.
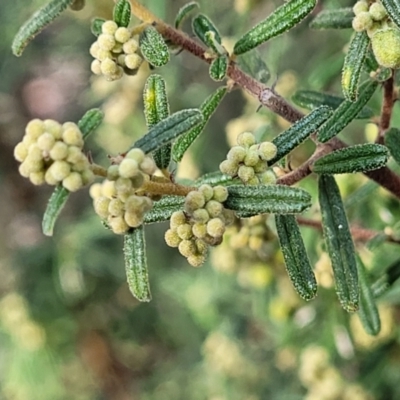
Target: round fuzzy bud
(131,46)
(177,218)
(201,246)
(121,60)
(187,248)
(207,191)
(253,181)
(200,215)
(229,167)
(33,165)
(35,153)
(109,27)
(24,170)
(246,139)
(37,178)
(171,238)
(73,182)
(245,173)
(267,178)
(214,208)
(103,55)
(101,206)
(386,47)
(49,178)
(215,227)
(228,216)
(267,150)
(199,230)
(184,231)
(87,176)
(108,189)
(133,203)
(95,67)
(147,203)
(59,151)
(117,48)
(362,21)
(116,208)
(94,49)
(148,166)
(95,190)
(123,185)
(133,61)
(118,225)
(133,219)
(53,127)
(220,193)
(137,180)
(106,42)
(360,6)
(128,168)
(122,35)
(81,165)
(117,75)
(35,128)
(251,158)
(193,201)
(196,260)
(20,152)
(237,154)
(28,140)
(377,11)
(72,136)
(136,154)
(60,170)
(46,141)
(261,166)
(112,172)
(108,67)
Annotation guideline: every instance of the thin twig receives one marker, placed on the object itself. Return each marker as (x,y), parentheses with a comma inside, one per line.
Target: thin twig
(387,108)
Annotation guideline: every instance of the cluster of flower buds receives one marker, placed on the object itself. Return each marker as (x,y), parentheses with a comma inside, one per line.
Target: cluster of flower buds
(201,224)
(52,153)
(120,199)
(115,52)
(249,160)
(368,16)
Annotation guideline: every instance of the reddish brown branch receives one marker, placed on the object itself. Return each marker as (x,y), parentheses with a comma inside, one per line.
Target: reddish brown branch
(387,108)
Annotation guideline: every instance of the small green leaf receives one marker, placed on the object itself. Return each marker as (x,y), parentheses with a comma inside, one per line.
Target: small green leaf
(216,178)
(391,275)
(36,23)
(169,129)
(295,255)
(122,13)
(346,112)
(90,121)
(207,109)
(299,131)
(353,63)
(311,99)
(213,44)
(96,25)
(136,264)
(156,108)
(201,24)
(153,47)
(340,18)
(260,199)
(393,9)
(339,242)
(252,64)
(281,20)
(358,158)
(368,313)
(184,12)
(56,203)
(219,67)
(163,209)
(392,141)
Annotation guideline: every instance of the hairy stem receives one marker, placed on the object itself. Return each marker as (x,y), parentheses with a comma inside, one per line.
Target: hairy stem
(166,188)
(387,108)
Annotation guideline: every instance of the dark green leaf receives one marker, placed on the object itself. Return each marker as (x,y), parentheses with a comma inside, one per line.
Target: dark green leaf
(153,47)
(392,141)
(340,18)
(339,242)
(122,13)
(36,23)
(201,24)
(96,25)
(219,67)
(163,209)
(184,12)
(136,264)
(56,203)
(281,20)
(358,158)
(393,9)
(295,255)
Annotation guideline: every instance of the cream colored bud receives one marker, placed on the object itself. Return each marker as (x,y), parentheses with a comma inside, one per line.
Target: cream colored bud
(236,154)
(94,49)
(245,173)
(215,227)
(95,190)
(103,55)
(148,166)
(37,178)
(171,238)
(35,153)
(377,11)
(196,260)
(72,136)
(214,208)
(59,151)
(252,158)
(35,128)
(184,231)
(131,46)
(200,215)
(60,170)
(101,206)
(193,201)
(20,152)
(95,67)
(267,150)
(108,67)
(128,168)
(220,193)
(46,141)
(116,208)
(33,165)
(246,139)
(24,170)
(199,230)
(109,27)
(123,185)
(133,61)
(118,225)
(177,218)
(229,167)
(73,182)
(133,219)
(50,179)
(122,35)
(106,42)
(53,127)
(207,191)
(136,154)
(187,248)
(74,154)
(360,6)
(108,189)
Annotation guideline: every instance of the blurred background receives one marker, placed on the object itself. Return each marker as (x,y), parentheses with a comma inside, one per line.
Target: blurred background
(231,330)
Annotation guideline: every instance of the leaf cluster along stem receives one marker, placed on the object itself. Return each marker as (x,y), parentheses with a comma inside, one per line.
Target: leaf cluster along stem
(277,104)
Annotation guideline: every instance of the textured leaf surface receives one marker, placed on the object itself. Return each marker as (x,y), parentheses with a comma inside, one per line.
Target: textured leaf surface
(393,9)
(219,67)
(184,12)
(341,18)
(153,47)
(201,24)
(122,13)
(163,209)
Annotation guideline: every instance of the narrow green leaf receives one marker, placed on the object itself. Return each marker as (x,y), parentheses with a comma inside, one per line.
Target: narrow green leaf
(353,63)
(90,121)
(260,199)
(216,178)
(201,24)
(56,203)
(156,108)
(368,313)
(311,99)
(219,67)
(207,109)
(340,18)
(252,64)
(393,9)
(184,12)
(153,47)
(295,255)
(96,25)
(163,209)
(358,158)
(338,242)
(122,13)
(299,131)
(392,141)
(136,264)
(36,23)
(346,112)
(169,129)
(281,20)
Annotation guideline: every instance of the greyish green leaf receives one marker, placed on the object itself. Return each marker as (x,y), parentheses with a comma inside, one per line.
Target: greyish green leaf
(122,13)
(219,67)
(393,9)
(216,178)
(295,255)
(36,23)
(281,20)
(339,242)
(136,264)
(153,47)
(184,12)
(201,24)
(96,25)
(339,18)
(392,141)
